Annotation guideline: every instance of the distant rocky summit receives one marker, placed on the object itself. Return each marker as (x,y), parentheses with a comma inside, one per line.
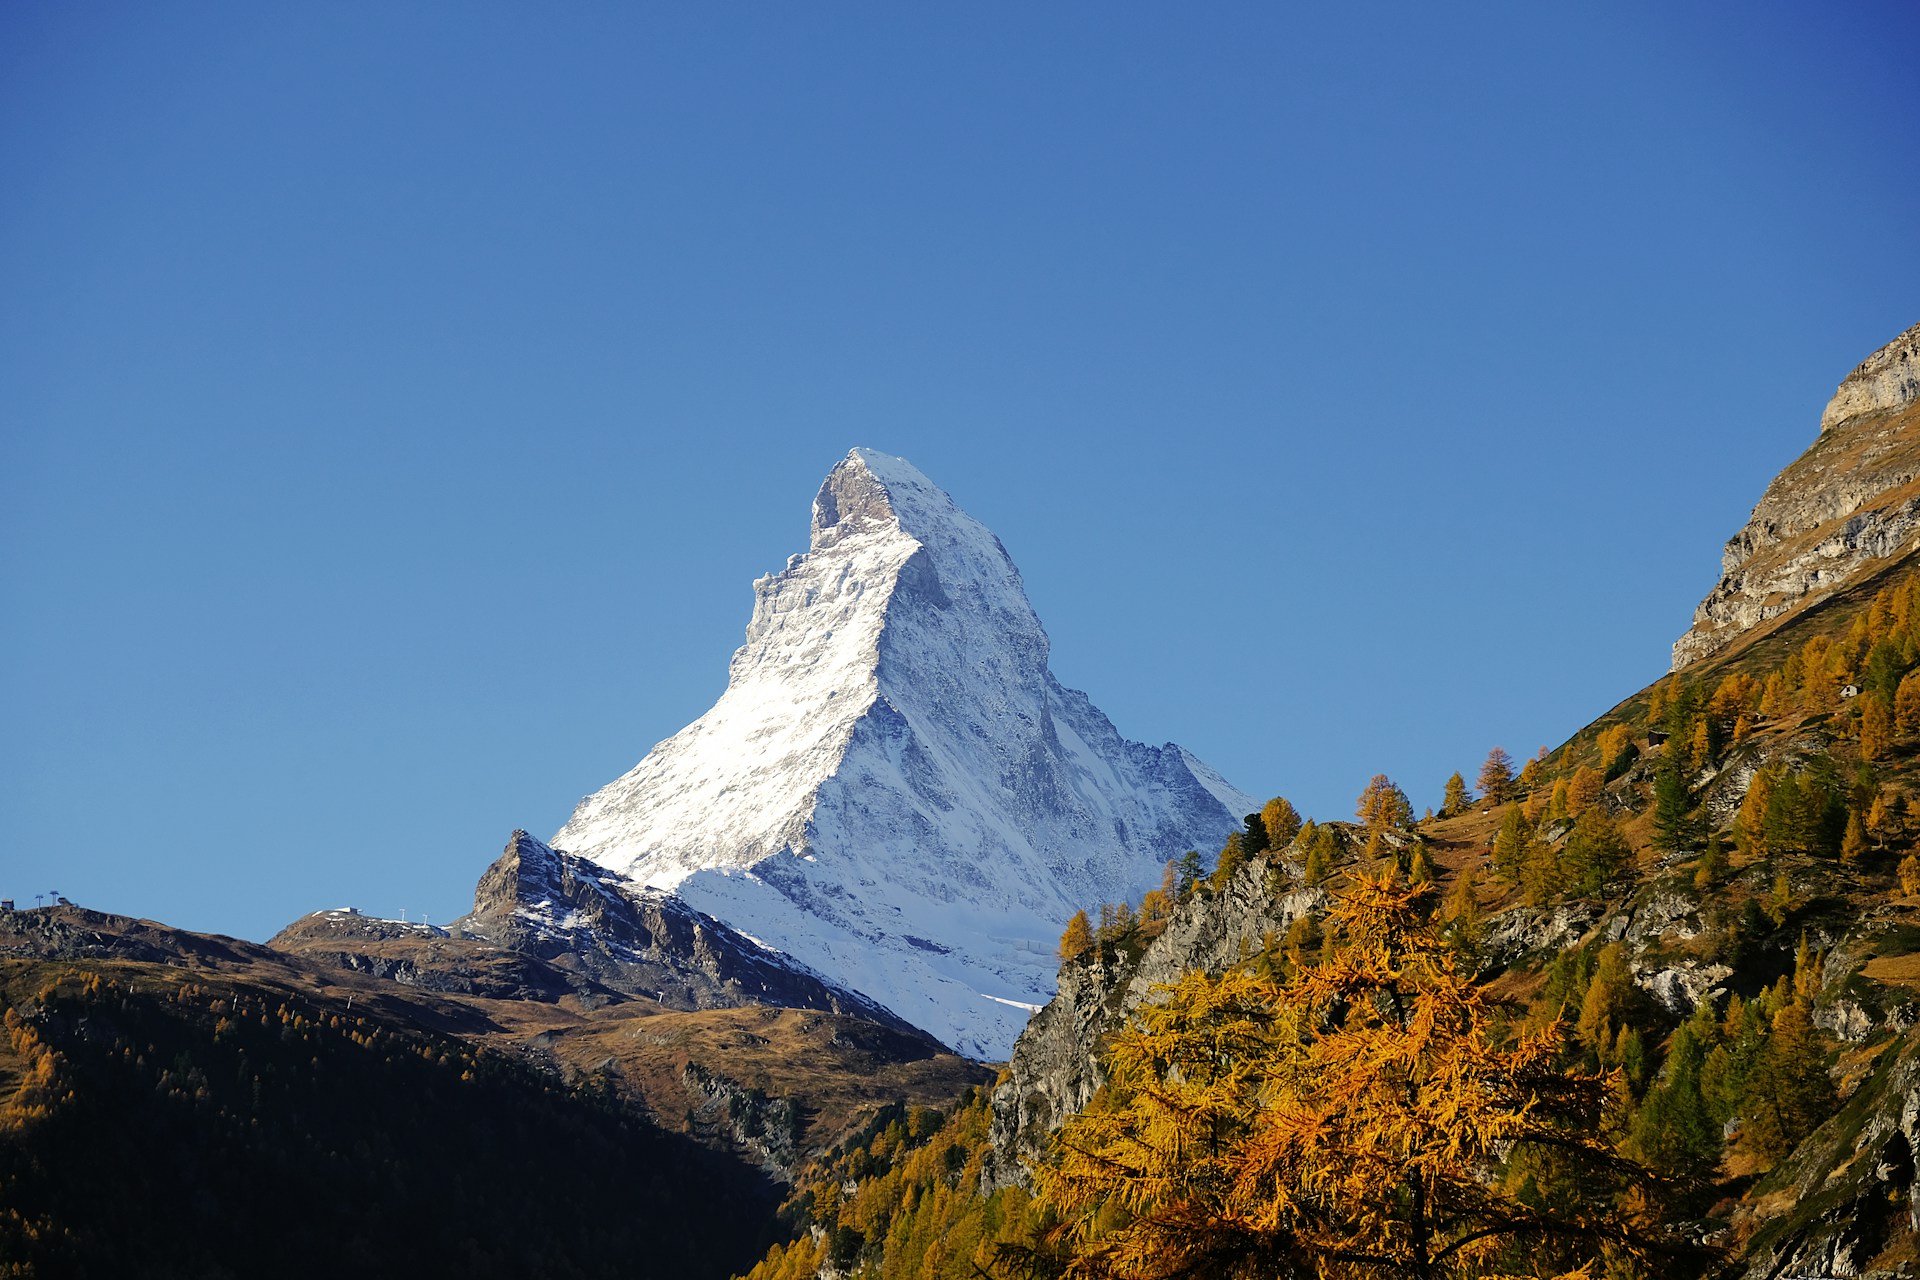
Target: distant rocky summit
(1844,510)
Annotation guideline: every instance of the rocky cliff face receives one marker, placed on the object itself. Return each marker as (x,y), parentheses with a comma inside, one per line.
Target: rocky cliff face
(1843,510)
(1833,1207)
(584,918)
(1056,1063)
(894,791)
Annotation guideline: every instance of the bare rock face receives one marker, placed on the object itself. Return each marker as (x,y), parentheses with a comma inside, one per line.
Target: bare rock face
(586,919)
(1833,1206)
(1843,510)
(1887,379)
(1056,1065)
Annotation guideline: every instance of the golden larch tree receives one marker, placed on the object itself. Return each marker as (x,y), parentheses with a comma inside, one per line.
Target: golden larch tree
(1496,777)
(1282,821)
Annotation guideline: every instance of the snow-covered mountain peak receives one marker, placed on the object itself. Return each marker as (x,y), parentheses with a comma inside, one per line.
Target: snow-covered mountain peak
(894,788)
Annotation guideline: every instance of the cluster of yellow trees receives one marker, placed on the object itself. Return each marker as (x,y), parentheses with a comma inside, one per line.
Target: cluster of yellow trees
(1364,1108)
(903,1203)
(1121,925)
(1365,1116)
(1370,1111)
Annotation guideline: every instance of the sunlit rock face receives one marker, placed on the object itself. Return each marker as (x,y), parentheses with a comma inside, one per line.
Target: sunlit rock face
(1842,511)
(894,790)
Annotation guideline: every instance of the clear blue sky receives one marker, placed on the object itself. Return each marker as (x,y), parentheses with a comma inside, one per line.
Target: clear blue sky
(396,402)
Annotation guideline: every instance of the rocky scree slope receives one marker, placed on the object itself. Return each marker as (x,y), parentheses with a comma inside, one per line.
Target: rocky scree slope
(894,791)
(1839,512)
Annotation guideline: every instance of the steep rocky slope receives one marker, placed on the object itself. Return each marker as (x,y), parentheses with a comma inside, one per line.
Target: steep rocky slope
(894,790)
(1839,512)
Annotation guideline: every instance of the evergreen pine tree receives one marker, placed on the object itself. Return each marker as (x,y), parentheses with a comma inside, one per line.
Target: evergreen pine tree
(1880,673)
(1192,872)
(1457,799)
(1596,852)
(1673,825)
(1789,1093)
(1675,1130)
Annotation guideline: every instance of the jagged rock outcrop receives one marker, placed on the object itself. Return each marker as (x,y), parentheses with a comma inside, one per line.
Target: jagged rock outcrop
(727,1113)
(546,925)
(1056,1064)
(585,918)
(1886,380)
(1832,1206)
(1842,511)
(894,790)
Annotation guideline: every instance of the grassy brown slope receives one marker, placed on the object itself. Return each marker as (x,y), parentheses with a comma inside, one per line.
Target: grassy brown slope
(835,1071)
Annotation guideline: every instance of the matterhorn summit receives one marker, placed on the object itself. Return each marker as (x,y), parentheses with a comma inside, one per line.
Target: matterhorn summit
(894,790)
